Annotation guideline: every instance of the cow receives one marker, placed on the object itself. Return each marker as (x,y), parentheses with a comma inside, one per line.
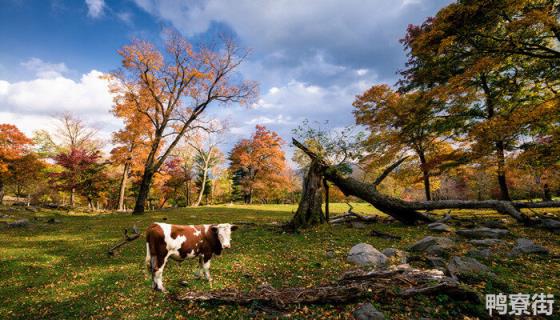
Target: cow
(179,242)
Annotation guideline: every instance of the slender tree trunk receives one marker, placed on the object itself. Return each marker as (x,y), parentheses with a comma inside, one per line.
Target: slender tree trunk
(122,191)
(504,192)
(203,186)
(310,210)
(72,195)
(326,187)
(145,184)
(188,192)
(425,175)
(1,190)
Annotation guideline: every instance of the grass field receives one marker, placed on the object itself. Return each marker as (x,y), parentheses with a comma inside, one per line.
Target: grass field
(62,271)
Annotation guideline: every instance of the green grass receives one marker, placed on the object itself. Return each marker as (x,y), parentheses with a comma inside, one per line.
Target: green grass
(62,271)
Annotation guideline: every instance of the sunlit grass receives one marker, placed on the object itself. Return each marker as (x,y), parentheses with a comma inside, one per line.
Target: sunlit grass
(62,270)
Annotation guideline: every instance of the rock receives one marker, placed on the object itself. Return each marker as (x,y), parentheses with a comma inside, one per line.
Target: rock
(483,232)
(358,225)
(550,224)
(53,221)
(467,268)
(433,245)
(329,254)
(19,223)
(437,262)
(526,246)
(440,227)
(32,209)
(367,311)
(480,253)
(364,254)
(396,256)
(486,242)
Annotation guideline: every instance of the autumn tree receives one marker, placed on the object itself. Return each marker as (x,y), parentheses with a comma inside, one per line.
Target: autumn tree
(132,142)
(173,87)
(398,122)
(24,173)
(81,174)
(495,98)
(257,163)
(13,146)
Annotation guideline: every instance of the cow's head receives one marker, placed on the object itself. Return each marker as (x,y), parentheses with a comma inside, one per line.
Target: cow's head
(223,230)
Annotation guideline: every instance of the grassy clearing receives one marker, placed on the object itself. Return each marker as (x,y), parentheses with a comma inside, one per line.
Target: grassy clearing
(62,270)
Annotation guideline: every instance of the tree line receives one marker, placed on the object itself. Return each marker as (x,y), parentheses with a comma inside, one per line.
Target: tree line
(70,168)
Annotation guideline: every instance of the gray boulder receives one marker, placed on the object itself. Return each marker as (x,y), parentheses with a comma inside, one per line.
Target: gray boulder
(550,224)
(440,227)
(482,233)
(364,254)
(526,246)
(437,263)
(467,268)
(433,245)
(19,223)
(367,311)
(486,242)
(480,253)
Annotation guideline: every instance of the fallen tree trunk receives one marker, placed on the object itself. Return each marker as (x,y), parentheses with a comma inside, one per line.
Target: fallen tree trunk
(408,211)
(353,286)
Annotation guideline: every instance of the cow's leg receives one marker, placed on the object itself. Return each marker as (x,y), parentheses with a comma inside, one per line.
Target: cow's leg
(199,272)
(206,267)
(158,272)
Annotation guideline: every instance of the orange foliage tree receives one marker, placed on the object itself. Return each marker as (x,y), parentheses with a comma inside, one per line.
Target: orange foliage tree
(172,88)
(400,122)
(258,165)
(13,146)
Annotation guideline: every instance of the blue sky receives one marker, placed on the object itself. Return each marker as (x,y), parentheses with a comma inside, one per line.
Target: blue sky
(310,57)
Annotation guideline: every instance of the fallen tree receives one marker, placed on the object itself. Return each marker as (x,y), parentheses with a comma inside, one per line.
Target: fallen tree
(408,212)
(353,286)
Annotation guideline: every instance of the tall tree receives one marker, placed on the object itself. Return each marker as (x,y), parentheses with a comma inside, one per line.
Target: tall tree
(13,145)
(173,87)
(399,122)
(132,142)
(258,163)
(496,97)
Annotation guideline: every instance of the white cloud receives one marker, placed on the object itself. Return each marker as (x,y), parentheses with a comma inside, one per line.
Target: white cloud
(43,69)
(31,104)
(95,8)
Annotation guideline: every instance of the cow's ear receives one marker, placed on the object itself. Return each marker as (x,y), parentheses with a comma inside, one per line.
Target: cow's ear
(234,227)
(214,229)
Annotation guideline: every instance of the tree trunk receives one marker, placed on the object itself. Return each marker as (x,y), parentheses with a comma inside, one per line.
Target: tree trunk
(326,187)
(309,211)
(504,192)
(123,186)
(72,195)
(139,208)
(425,175)
(203,186)
(188,192)
(396,208)
(1,190)
(546,193)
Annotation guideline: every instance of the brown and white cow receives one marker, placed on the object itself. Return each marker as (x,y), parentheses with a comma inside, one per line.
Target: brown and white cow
(164,241)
